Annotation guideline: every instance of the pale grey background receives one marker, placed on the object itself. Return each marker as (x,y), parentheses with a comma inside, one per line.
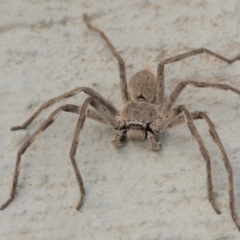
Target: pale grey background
(132,192)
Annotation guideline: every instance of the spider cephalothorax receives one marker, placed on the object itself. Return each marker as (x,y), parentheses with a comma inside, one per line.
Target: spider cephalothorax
(144,114)
(137,116)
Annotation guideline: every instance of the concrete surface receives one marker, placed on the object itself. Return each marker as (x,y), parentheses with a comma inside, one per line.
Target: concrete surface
(132,192)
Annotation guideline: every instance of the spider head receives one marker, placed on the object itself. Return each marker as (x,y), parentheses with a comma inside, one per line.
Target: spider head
(143,86)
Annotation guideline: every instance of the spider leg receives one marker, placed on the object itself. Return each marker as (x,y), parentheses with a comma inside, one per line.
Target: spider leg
(79,127)
(29,141)
(161,124)
(180,119)
(160,70)
(69,94)
(154,143)
(201,115)
(67,108)
(121,64)
(82,116)
(179,88)
(89,113)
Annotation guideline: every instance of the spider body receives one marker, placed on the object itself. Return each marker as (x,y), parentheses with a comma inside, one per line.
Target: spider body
(146,113)
(140,111)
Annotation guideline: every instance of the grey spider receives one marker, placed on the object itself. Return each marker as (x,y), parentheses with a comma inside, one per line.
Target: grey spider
(145,115)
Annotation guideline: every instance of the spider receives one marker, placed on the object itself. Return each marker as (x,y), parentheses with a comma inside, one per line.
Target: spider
(145,115)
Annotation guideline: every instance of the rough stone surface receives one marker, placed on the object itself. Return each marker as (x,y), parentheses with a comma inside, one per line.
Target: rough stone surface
(132,192)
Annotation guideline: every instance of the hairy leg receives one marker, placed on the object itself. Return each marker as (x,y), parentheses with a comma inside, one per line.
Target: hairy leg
(67,108)
(160,71)
(154,143)
(201,115)
(76,135)
(180,119)
(29,141)
(166,120)
(89,113)
(179,88)
(69,94)
(121,64)
(82,116)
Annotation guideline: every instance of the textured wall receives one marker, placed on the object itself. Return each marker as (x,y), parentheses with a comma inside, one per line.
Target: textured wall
(132,192)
